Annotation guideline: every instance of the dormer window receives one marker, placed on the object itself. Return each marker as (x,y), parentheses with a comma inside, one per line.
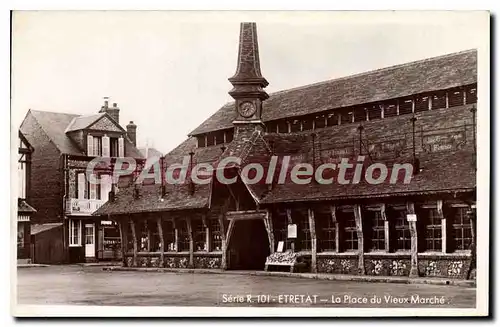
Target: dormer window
(105,146)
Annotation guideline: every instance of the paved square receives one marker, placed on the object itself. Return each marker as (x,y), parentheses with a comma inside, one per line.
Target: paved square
(78,285)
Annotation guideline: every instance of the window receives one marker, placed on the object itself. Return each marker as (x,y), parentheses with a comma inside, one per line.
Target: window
(272,127)
(295,125)
(282,126)
(402,230)
(374,112)
(359,114)
(21,170)
(229,136)
(183,236)
(75,232)
(113,147)
(332,119)
(142,233)
(462,231)
(210,139)
(439,100)
(169,236)
(346,116)
(455,98)
(432,233)
(307,124)
(303,231)
(215,235)
(471,95)
(390,109)
(219,137)
(201,141)
(280,227)
(319,121)
(200,233)
(377,230)
(326,228)
(422,103)
(405,106)
(350,233)
(97,146)
(20,236)
(154,242)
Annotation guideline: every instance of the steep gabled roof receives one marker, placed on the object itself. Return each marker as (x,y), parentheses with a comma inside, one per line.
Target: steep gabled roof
(55,125)
(431,74)
(82,122)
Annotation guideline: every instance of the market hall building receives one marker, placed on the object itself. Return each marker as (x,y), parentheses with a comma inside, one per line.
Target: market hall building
(421,113)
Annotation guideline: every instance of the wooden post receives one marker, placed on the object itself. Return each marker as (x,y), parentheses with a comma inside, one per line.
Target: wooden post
(223,242)
(268,223)
(176,235)
(472,219)
(148,230)
(207,232)
(134,237)
(312,231)
(290,221)
(439,207)
(123,239)
(410,207)
(191,242)
(333,212)
(162,242)
(359,230)
(386,228)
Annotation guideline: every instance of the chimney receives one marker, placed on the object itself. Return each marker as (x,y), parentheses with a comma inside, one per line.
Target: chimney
(132,132)
(113,112)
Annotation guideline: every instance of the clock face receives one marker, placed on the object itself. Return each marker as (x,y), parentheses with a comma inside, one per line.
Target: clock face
(247,109)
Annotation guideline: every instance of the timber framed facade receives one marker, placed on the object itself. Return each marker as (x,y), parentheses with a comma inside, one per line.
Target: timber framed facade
(422,112)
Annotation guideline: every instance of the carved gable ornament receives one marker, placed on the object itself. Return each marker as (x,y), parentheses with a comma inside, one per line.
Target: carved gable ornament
(105,124)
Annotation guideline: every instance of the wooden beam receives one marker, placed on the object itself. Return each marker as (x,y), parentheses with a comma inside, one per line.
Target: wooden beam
(410,207)
(473,243)
(223,242)
(387,242)
(290,221)
(176,235)
(162,241)
(359,230)
(268,223)
(439,207)
(148,230)
(207,232)
(123,239)
(191,242)
(333,213)
(134,237)
(312,231)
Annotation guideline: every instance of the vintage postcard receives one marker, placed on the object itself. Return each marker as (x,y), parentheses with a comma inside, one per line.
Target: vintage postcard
(250,163)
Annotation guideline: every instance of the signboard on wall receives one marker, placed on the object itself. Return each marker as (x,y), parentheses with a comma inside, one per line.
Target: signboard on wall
(292,231)
(281,244)
(411,217)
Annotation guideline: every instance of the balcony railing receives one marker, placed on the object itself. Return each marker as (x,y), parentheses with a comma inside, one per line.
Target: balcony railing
(83,206)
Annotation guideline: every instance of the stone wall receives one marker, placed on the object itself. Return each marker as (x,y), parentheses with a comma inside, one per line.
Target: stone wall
(429,265)
(204,261)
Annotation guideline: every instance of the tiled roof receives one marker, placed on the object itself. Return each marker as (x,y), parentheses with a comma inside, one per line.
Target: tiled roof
(24,207)
(148,152)
(178,197)
(388,83)
(82,122)
(54,126)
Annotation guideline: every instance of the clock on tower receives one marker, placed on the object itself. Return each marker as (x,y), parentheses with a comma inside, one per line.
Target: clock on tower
(248,83)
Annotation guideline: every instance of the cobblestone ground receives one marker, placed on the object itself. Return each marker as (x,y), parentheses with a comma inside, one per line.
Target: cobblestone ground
(79,285)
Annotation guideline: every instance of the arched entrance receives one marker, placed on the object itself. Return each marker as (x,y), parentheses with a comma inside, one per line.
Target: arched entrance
(248,245)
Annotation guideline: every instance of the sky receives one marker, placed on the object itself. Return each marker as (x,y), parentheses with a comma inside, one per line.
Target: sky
(168,71)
